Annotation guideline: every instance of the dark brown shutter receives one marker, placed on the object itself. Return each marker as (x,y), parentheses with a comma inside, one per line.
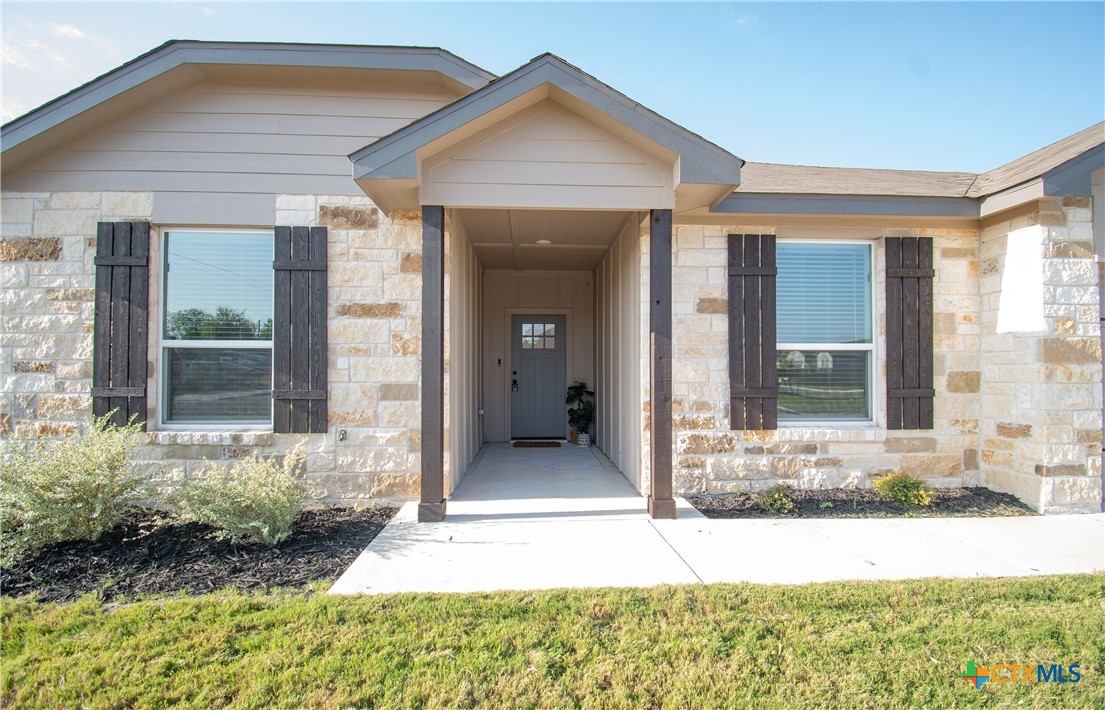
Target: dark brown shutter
(753,386)
(909,387)
(122,314)
(299,331)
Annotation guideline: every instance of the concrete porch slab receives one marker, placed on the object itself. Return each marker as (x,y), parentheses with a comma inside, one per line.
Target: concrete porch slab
(549,518)
(524,518)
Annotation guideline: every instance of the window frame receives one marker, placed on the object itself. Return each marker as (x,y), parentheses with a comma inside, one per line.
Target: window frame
(164,345)
(872,347)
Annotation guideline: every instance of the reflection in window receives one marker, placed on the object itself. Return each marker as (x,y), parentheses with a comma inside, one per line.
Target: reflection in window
(217,327)
(538,336)
(825,347)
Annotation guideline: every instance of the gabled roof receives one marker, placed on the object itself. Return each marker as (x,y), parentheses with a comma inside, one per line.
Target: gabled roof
(178,53)
(393,156)
(777,178)
(1062,168)
(1039,162)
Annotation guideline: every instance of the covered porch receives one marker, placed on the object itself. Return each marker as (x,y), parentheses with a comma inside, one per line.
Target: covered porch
(547,201)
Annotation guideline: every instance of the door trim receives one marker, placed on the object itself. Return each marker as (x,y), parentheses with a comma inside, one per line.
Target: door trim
(509,353)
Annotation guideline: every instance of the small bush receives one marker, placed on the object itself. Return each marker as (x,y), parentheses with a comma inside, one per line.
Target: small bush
(255,500)
(777,499)
(903,488)
(74,488)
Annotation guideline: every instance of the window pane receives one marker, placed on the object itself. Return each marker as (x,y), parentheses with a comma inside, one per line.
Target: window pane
(824,293)
(823,384)
(218,384)
(527,329)
(218,286)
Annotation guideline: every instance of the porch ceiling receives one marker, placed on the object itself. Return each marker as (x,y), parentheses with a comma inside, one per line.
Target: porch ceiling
(507,239)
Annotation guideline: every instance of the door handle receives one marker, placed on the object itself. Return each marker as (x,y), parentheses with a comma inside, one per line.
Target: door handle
(514,385)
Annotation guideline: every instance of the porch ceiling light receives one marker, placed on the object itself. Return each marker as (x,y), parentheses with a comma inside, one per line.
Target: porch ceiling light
(543,242)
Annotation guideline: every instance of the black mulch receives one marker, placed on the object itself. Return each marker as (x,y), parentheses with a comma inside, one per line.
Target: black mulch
(150,553)
(865,503)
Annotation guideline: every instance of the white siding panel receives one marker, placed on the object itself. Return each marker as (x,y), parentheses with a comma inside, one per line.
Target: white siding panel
(238,138)
(465,284)
(185,182)
(547,156)
(618,388)
(582,197)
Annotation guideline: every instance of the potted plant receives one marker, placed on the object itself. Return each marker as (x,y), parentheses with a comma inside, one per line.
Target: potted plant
(582,413)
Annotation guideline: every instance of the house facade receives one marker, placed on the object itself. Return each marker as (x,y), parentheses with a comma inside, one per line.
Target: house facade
(397,257)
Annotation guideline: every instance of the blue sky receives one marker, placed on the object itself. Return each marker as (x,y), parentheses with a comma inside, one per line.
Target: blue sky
(929,86)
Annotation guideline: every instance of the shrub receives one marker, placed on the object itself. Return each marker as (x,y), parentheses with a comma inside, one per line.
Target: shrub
(73,488)
(777,499)
(255,500)
(903,488)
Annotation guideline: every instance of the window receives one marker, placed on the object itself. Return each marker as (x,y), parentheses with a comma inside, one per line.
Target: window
(217,328)
(539,336)
(825,351)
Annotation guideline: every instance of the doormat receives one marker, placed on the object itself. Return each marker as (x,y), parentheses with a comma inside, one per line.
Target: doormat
(536,444)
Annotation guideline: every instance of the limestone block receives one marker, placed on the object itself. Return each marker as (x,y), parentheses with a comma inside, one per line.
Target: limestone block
(781,449)
(1063,351)
(712,305)
(127,204)
(30,249)
(822,478)
(1059,470)
(932,465)
(400,414)
(398,392)
(727,468)
(65,222)
(910,444)
(706,443)
(347,217)
(395,485)
(17,210)
(1074,495)
(1012,430)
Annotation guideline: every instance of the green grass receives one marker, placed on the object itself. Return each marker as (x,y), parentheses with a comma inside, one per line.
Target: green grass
(853,644)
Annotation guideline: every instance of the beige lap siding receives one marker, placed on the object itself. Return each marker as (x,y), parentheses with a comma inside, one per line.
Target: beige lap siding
(710,458)
(374,284)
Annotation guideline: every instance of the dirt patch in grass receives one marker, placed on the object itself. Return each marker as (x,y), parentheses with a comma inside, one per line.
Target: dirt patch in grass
(865,503)
(151,553)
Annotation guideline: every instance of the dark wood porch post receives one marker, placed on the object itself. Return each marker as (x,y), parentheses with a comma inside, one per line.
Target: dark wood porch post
(660,502)
(431,508)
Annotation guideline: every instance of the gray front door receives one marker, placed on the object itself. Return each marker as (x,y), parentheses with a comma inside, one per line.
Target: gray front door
(537,377)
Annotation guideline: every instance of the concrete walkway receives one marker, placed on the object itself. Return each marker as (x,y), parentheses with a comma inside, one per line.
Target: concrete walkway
(548,518)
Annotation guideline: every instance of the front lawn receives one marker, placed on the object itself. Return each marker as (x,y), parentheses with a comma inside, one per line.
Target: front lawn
(852,644)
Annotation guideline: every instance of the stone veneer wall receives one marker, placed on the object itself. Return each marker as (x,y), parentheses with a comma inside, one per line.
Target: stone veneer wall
(374,339)
(1041,387)
(710,458)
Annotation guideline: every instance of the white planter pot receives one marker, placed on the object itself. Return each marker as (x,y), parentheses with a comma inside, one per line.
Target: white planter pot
(584,440)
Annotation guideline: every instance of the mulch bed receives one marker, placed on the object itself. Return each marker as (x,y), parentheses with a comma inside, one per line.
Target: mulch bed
(150,553)
(864,503)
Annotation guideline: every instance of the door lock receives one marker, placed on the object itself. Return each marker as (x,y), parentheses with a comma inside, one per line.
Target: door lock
(514,386)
